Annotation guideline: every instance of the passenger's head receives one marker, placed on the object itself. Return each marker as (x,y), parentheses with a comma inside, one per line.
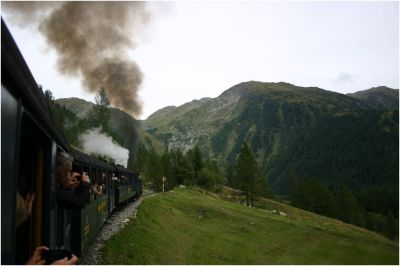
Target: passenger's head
(64,166)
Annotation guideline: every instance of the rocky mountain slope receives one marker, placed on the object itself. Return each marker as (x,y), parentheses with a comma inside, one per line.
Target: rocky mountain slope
(294,131)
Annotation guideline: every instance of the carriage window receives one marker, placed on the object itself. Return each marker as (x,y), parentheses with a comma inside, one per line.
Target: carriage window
(33,148)
(101,182)
(97,183)
(94,180)
(89,172)
(104,182)
(102,178)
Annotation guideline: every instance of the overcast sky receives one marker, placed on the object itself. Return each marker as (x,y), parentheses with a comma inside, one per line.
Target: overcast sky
(191,50)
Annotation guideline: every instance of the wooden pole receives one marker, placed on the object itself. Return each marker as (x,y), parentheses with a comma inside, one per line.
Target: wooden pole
(163,184)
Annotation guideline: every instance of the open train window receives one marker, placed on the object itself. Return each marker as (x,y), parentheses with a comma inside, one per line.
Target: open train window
(89,171)
(79,168)
(103,181)
(94,180)
(34,145)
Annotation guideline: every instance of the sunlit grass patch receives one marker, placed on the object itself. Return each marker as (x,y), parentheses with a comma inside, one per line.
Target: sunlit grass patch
(190,227)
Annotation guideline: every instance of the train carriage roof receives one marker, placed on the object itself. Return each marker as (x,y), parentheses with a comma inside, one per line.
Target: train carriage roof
(123,170)
(18,79)
(83,158)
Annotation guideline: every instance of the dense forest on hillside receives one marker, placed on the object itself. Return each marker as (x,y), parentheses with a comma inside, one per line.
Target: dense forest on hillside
(372,206)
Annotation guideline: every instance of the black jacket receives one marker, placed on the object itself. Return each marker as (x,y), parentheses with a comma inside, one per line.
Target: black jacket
(74,199)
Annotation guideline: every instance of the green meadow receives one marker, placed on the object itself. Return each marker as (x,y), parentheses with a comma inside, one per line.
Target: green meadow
(188,226)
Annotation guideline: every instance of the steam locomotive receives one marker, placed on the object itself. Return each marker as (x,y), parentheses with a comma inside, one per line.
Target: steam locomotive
(30,141)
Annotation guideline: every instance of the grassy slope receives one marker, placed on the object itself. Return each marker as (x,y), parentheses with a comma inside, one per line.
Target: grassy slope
(189,227)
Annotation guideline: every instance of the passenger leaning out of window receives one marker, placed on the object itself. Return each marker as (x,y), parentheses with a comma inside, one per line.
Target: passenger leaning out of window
(73,188)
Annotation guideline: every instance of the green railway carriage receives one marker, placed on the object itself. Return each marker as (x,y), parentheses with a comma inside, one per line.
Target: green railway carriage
(86,222)
(126,183)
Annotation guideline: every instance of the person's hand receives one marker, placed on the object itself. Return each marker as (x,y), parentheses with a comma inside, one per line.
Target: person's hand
(65,261)
(36,258)
(23,207)
(96,190)
(85,178)
(28,201)
(71,181)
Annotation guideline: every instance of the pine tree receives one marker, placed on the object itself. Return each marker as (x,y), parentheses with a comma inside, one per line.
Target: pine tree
(348,209)
(210,176)
(48,95)
(102,109)
(246,172)
(391,226)
(197,161)
(181,168)
(310,194)
(153,169)
(140,158)
(229,177)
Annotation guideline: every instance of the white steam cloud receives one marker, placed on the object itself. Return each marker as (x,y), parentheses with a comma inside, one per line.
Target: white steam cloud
(96,143)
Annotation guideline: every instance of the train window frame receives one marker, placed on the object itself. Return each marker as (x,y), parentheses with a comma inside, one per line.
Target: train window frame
(94,181)
(34,147)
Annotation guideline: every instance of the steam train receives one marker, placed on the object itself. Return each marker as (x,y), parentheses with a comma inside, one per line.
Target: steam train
(30,142)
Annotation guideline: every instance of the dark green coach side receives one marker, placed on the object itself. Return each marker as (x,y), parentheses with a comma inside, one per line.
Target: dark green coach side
(87,222)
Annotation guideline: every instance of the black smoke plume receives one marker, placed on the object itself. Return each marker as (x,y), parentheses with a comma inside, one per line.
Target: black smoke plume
(92,40)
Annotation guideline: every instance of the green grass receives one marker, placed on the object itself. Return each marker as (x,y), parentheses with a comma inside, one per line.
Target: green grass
(190,227)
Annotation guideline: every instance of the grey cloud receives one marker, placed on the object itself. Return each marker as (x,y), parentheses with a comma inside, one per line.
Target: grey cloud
(344,78)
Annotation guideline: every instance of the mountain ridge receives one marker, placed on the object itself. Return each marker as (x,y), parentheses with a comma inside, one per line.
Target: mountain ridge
(381,98)
(280,121)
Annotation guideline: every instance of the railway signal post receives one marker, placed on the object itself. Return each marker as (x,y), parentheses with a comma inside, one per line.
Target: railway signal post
(164,180)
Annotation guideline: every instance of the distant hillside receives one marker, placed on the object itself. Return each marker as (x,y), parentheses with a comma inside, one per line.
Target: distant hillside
(78,106)
(294,132)
(185,226)
(380,98)
(128,129)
